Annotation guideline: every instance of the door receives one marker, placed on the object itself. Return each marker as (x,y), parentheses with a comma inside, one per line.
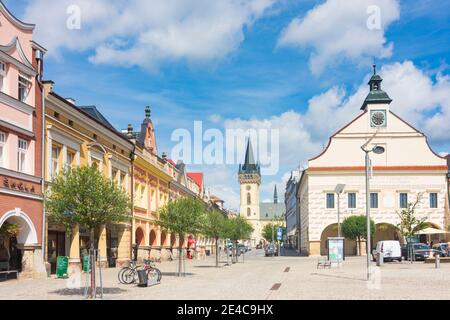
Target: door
(56,246)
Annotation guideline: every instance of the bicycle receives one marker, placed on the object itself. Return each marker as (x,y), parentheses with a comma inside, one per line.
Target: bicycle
(128,275)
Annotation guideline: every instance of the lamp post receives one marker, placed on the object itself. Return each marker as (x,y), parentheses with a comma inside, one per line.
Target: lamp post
(339,189)
(377,150)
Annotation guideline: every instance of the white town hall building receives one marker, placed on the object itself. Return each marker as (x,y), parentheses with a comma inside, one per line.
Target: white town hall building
(406,169)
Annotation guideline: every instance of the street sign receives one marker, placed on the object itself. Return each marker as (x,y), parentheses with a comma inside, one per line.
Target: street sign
(86,264)
(62,266)
(279,233)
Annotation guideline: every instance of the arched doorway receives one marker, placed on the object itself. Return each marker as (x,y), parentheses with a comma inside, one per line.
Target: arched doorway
(139,237)
(153,238)
(386,231)
(332,231)
(163,238)
(18,232)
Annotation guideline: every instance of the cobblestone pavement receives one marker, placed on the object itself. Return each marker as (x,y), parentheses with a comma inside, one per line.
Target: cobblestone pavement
(255,278)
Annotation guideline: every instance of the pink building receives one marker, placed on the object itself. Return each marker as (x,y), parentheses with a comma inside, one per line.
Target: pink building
(20,147)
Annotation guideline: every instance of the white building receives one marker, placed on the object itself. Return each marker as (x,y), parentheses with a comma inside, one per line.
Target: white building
(406,169)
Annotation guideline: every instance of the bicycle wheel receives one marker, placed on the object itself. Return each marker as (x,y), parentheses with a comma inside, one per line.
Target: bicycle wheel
(120,274)
(153,273)
(129,276)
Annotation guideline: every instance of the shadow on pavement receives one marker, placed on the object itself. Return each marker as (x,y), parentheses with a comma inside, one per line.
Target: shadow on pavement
(175,274)
(80,291)
(340,277)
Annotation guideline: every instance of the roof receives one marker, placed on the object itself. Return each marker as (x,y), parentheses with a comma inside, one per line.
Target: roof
(96,116)
(250,166)
(197,177)
(268,211)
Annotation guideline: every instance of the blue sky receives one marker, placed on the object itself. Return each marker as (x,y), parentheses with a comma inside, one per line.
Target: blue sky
(256,68)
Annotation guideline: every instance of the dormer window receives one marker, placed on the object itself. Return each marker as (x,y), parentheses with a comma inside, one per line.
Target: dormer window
(24,88)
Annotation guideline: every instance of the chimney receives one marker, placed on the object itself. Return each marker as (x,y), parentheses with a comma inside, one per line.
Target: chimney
(130,131)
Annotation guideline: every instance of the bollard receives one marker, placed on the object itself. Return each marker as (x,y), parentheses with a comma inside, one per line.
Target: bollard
(437,261)
(380,259)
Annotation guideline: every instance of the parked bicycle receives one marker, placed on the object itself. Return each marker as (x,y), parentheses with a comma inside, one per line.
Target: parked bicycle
(129,275)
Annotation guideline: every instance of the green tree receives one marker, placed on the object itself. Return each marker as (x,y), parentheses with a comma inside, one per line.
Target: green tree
(269,231)
(84,196)
(409,224)
(355,228)
(214,226)
(182,216)
(238,229)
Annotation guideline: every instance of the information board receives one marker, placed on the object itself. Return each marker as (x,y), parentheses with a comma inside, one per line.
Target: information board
(62,267)
(336,250)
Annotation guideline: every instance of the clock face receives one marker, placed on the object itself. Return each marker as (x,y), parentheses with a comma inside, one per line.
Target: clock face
(378,118)
(249,188)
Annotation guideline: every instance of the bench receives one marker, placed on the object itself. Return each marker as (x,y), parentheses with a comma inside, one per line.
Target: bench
(8,272)
(323,262)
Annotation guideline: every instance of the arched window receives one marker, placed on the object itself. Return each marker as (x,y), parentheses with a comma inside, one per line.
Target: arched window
(248,212)
(249,198)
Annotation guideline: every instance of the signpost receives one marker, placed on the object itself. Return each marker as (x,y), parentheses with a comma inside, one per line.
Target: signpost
(62,266)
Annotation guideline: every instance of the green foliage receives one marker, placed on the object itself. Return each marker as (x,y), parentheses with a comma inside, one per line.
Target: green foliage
(182,216)
(238,229)
(269,231)
(409,225)
(83,195)
(214,225)
(10,229)
(355,227)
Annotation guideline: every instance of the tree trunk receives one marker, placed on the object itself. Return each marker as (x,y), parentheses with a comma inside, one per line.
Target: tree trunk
(217,253)
(180,254)
(92,260)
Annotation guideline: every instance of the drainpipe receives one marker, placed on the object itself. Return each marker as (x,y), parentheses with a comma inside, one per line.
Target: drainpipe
(40,60)
(133,155)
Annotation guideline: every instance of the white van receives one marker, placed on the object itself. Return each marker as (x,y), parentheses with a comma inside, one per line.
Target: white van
(391,250)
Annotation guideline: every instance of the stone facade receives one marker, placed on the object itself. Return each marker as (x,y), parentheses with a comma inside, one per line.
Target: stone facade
(407,169)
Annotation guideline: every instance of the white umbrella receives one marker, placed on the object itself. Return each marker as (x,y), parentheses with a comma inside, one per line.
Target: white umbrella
(432,231)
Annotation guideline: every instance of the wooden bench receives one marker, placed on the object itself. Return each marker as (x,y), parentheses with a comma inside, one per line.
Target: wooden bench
(323,262)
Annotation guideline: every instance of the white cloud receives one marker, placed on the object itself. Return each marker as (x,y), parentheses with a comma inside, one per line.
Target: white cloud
(338,29)
(143,33)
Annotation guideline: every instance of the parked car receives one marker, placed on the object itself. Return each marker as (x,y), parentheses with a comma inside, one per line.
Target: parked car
(442,249)
(242,248)
(421,251)
(390,249)
(271,250)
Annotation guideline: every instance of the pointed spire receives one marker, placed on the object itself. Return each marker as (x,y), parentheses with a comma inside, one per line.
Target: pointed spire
(275,195)
(249,158)
(249,166)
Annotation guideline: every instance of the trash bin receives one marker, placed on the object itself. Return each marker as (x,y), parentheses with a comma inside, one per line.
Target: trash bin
(143,278)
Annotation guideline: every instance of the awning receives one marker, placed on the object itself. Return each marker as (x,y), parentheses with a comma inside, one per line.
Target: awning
(432,231)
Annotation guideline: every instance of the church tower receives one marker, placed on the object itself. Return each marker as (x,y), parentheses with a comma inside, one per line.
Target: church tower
(250,180)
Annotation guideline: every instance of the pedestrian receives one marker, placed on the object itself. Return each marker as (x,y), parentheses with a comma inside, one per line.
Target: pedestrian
(5,256)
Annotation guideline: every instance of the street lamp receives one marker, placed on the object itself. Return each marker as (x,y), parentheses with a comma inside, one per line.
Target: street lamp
(338,190)
(377,150)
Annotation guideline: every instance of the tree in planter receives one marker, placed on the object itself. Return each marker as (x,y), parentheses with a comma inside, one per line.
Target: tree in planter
(182,216)
(409,224)
(355,228)
(84,196)
(214,227)
(238,229)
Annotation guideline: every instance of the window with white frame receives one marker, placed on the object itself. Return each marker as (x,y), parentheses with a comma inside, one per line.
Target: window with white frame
(55,160)
(22,155)
(70,159)
(24,88)
(2,76)
(2,149)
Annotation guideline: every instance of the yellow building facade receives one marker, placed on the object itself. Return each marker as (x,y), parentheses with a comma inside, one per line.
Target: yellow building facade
(81,136)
